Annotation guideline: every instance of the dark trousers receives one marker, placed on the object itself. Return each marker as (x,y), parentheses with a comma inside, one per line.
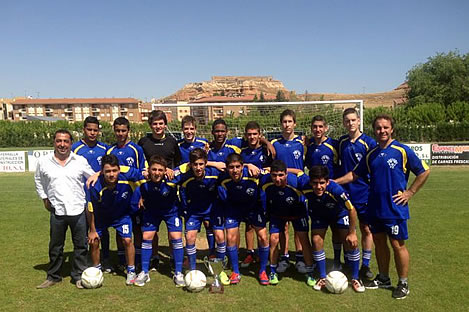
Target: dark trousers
(58,230)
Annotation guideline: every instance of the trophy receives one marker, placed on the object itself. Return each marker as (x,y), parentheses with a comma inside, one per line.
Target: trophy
(214,268)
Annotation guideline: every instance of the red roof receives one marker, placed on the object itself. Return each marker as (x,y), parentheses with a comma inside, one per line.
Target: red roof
(230,99)
(78,101)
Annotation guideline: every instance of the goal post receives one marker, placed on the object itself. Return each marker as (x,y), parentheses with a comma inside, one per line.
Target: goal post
(237,114)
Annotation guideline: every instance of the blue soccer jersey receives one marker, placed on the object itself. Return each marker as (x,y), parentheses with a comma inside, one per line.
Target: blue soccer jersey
(239,198)
(284,202)
(160,199)
(197,196)
(333,204)
(220,154)
(350,154)
(389,171)
(130,155)
(186,147)
(259,157)
(291,152)
(323,154)
(109,205)
(92,154)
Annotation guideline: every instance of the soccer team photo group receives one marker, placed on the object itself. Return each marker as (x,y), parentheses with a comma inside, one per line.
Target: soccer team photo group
(233,206)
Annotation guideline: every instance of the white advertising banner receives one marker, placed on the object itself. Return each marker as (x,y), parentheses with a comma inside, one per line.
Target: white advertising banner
(423,151)
(12,162)
(33,157)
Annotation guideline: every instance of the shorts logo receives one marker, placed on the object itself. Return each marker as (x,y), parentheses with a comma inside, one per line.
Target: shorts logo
(130,161)
(325,159)
(392,162)
(289,200)
(297,154)
(125,194)
(250,191)
(190,223)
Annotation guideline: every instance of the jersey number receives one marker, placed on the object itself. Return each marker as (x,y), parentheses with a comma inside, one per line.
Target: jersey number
(346,220)
(125,229)
(395,229)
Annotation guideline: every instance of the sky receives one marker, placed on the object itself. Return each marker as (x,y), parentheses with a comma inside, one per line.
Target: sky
(150,49)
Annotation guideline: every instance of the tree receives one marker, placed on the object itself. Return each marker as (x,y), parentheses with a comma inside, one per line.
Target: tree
(255,99)
(443,79)
(261,98)
(280,97)
(307,97)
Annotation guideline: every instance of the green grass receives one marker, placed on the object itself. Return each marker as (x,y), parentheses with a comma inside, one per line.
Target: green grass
(439,275)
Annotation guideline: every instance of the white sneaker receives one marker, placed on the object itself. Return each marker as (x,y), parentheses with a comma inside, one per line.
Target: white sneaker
(142,279)
(179,280)
(283,265)
(357,285)
(107,267)
(131,276)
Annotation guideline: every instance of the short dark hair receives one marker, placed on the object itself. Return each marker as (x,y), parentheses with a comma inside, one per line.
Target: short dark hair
(252,125)
(109,159)
(319,172)
(188,119)
(197,153)
(233,157)
(278,165)
(319,118)
(349,111)
(121,121)
(288,112)
(90,120)
(385,117)
(157,159)
(217,122)
(157,115)
(63,131)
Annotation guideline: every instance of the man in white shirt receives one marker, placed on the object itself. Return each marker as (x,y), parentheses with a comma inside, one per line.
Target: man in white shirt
(59,182)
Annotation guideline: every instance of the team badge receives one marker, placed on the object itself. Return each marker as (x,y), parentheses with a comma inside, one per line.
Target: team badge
(325,159)
(296,154)
(392,162)
(124,195)
(289,200)
(250,191)
(130,161)
(358,156)
(99,159)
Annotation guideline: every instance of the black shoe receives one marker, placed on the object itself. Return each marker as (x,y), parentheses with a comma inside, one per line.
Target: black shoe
(378,282)
(365,273)
(401,291)
(154,264)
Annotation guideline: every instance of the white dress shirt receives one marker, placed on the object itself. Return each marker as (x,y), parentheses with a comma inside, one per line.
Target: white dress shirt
(63,185)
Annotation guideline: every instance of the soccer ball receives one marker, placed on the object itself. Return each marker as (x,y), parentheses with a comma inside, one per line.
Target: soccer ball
(195,281)
(92,278)
(336,282)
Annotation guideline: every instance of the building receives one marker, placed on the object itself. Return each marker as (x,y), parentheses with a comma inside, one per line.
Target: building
(77,109)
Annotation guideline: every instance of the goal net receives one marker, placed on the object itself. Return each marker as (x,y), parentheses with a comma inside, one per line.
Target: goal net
(266,114)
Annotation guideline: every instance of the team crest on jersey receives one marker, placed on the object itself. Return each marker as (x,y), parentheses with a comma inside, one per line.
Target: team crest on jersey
(296,154)
(211,188)
(392,162)
(99,159)
(289,200)
(344,196)
(220,153)
(156,188)
(358,156)
(250,191)
(325,159)
(165,193)
(262,158)
(130,161)
(120,153)
(124,195)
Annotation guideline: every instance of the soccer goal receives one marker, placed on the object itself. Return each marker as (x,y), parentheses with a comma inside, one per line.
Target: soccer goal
(266,114)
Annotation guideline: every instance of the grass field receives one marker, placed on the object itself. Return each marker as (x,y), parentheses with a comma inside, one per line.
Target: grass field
(439,276)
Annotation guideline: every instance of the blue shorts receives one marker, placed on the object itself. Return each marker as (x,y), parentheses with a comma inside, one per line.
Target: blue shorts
(123,227)
(277,225)
(152,223)
(396,229)
(362,212)
(254,218)
(193,222)
(323,223)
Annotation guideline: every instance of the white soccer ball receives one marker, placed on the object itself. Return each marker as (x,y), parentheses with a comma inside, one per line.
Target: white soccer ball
(195,281)
(336,282)
(92,278)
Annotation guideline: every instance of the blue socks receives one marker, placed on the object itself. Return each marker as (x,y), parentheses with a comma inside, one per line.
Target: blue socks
(178,254)
(320,258)
(146,255)
(191,254)
(233,256)
(263,257)
(366,258)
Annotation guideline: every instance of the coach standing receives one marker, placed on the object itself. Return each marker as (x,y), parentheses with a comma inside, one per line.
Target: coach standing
(388,166)
(59,182)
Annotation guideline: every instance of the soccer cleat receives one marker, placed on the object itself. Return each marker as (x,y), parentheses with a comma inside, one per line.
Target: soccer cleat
(120,268)
(320,284)
(263,278)
(248,260)
(130,280)
(235,278)
(154,264)
(401,291)
(378,282)
(179,280)
(273,279)
(283,265)
(310,280)
(224,279)
(365,273)
(300,267)
(142,279)
(357,285)
(107,267)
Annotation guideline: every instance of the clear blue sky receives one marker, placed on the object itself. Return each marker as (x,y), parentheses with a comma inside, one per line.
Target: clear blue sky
(148,49)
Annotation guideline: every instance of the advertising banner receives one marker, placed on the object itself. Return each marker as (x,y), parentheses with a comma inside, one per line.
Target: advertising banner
(450,154)
(33,156)
(12,162)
